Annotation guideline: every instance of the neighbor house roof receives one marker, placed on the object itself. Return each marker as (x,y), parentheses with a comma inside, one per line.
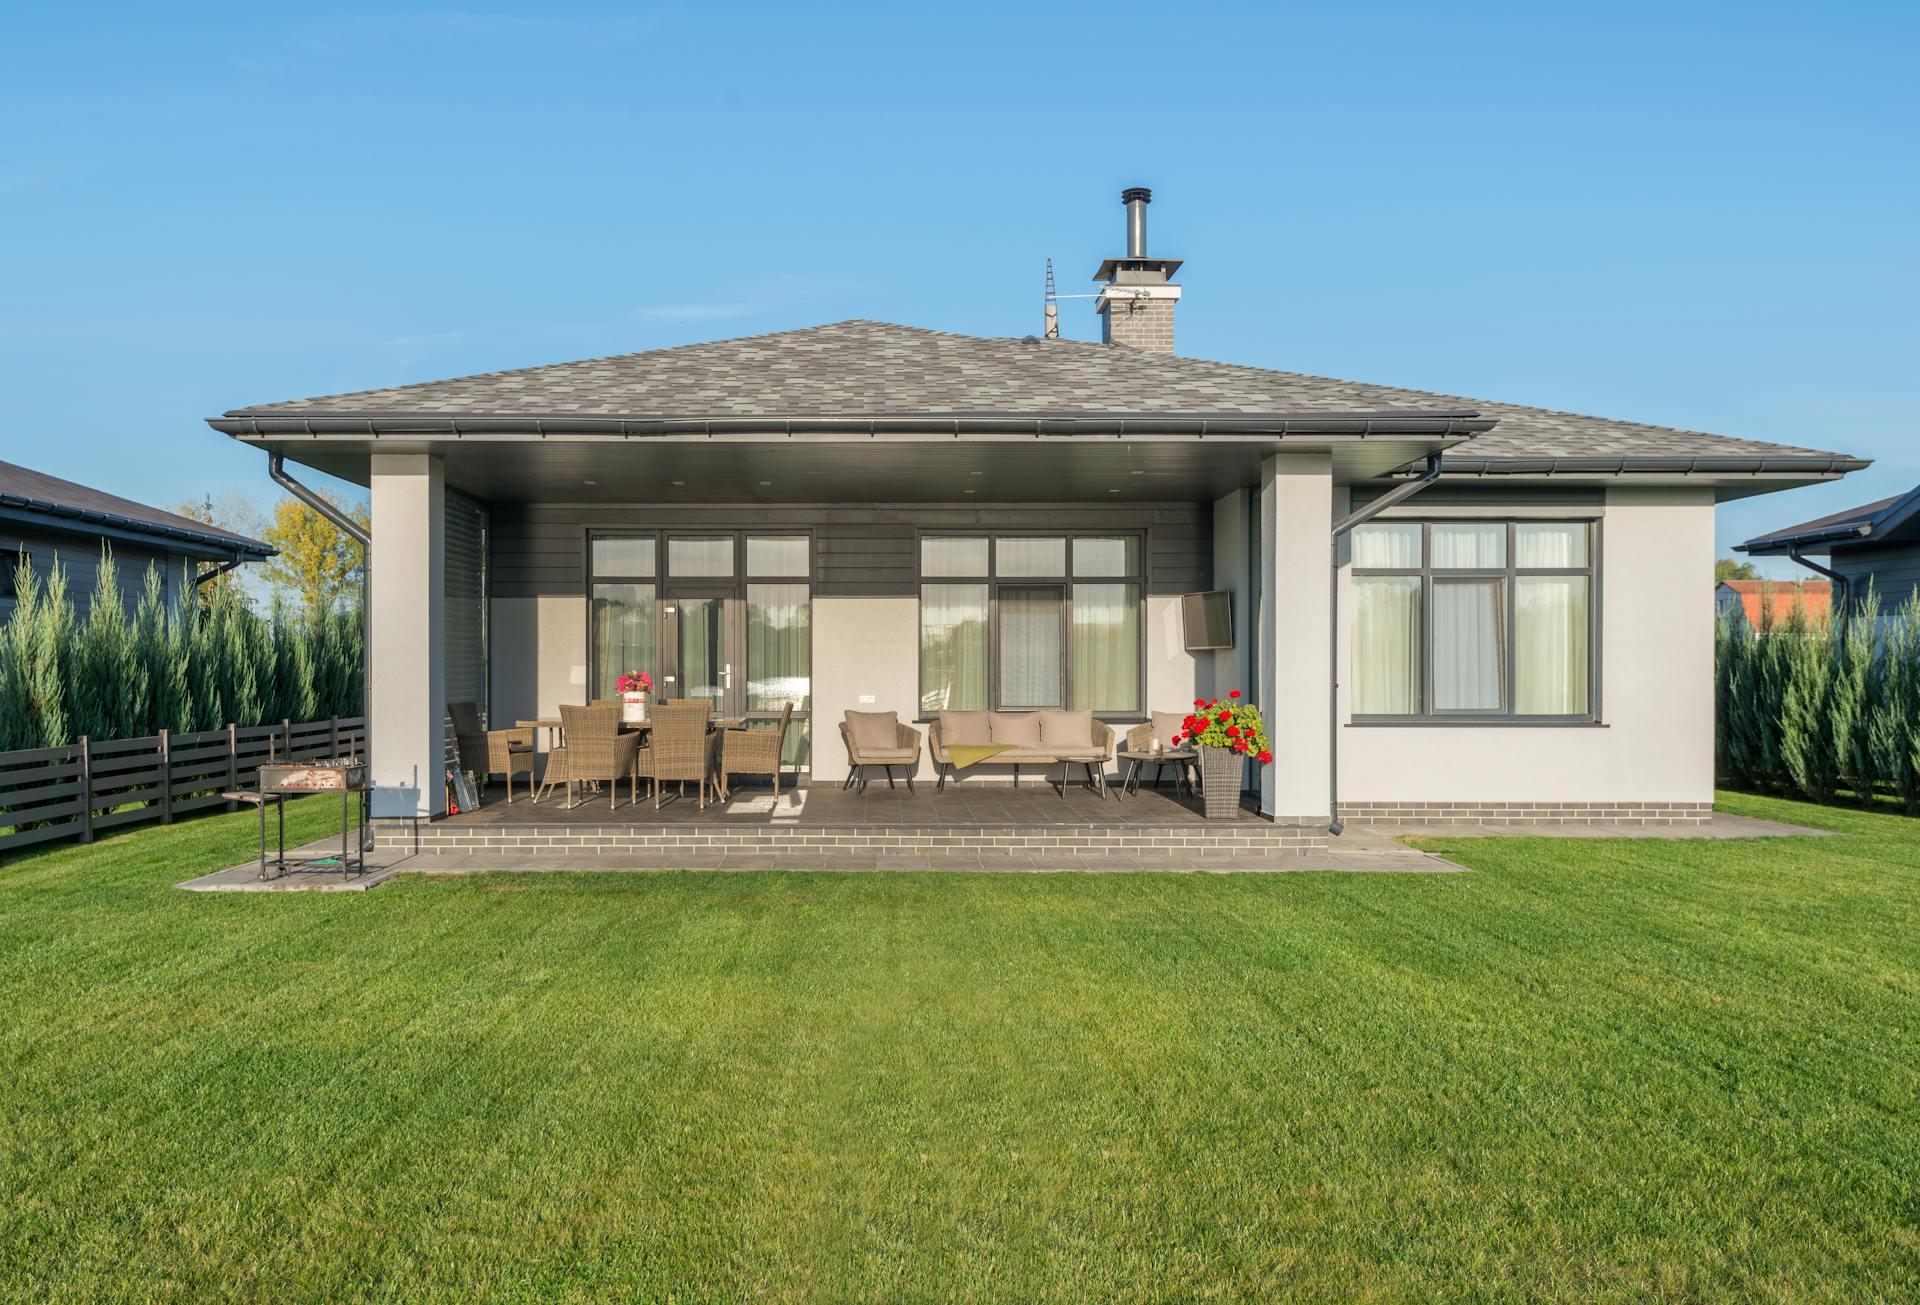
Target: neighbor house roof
(882,373)
(1813,597)
(1868,523)
(34,496)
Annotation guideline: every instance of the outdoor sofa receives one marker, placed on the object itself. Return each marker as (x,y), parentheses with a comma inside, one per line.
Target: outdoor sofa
(1044,738)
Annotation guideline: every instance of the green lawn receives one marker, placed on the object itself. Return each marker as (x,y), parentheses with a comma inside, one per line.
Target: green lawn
(1591,1069)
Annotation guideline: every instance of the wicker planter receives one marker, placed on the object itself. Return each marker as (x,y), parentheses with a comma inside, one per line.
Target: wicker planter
(1220,771)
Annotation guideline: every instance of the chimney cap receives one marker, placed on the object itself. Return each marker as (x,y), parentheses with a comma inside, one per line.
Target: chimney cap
(1140,193)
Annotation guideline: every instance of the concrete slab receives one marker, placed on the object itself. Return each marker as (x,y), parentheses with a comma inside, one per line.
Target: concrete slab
(1721,825)
(317,879)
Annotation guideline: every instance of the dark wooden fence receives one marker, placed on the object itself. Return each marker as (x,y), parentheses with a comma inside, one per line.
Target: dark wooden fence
(88,786)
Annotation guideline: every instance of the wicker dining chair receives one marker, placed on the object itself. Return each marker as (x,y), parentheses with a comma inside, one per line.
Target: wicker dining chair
(491,752)
(682,748)
(597,750)
(754,751)
(704,704)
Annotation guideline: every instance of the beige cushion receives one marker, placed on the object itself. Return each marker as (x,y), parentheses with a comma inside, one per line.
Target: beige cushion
(1066,729)
(873,730)
(1020,729)
(1166,724)
(967,728)
(881,756)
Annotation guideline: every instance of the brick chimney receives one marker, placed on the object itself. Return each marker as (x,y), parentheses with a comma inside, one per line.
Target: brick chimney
(1136,307)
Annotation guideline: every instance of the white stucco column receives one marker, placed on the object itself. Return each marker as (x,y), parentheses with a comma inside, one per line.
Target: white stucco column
(1296,551)
(405,635)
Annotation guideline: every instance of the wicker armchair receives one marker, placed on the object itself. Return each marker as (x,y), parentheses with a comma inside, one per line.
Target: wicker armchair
(905,752)
(682,748)
(491,752)
(754,752)
(597,750)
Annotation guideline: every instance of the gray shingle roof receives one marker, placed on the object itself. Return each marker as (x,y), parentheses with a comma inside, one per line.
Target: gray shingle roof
(70,506)
(867,369)
(1869,522)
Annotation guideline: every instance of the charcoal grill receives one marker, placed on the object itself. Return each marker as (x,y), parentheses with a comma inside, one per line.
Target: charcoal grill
(280,780)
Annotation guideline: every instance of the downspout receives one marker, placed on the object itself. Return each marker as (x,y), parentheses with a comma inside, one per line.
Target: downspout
(218,571)
(1398,494)
(1842,589)
(276,468)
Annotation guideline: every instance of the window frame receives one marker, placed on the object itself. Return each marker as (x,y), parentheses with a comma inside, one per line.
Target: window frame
(736,587)
(994,582)
(1509,577)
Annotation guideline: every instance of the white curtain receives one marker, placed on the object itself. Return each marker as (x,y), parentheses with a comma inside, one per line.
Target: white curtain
(1470,545)
(1549,544)
(1043,558)
(1030,645)
(955,555)
(1386,645)
(1550,650)
(1106,647)
(953,648)
(1469,654)
(1390,546)
(625,637)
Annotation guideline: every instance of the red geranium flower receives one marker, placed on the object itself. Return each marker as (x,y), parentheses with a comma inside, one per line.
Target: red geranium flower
(1198,703)
(1232,733)
(1233,693)
(1265,756)
(1224,717)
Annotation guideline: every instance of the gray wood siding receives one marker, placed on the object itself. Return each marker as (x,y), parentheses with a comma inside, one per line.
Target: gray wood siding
(861,552)
(80,556)
(1893,569)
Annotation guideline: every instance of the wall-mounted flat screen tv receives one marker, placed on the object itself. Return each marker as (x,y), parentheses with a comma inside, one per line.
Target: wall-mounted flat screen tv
(1208,619)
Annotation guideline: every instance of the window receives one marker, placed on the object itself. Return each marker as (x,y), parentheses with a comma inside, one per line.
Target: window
(780,636)
(1472,619)
(622,613)
(1017,622)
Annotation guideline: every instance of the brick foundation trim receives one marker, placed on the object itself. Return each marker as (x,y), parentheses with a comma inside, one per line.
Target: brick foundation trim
(658,845)
(1526,813)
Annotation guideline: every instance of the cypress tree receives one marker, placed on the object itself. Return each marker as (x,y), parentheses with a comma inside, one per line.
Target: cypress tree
(46,662)
(17,728)
(1857,687)
(1806,707)
(1894,729)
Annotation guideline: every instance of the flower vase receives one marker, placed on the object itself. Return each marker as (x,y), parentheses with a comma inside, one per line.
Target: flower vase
(634,708)
(1220,772)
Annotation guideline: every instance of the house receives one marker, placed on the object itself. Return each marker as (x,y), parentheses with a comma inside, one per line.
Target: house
(1745,600)
(1444,606)
(1876,544)
(45,517)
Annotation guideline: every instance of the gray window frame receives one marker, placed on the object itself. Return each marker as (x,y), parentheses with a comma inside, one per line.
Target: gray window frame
(995,582)
(1509,575)
(735,587)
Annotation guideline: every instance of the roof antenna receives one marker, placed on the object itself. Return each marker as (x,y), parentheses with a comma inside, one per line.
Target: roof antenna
(1052,306)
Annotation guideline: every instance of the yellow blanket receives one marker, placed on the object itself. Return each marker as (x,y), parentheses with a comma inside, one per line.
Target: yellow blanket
(972,754)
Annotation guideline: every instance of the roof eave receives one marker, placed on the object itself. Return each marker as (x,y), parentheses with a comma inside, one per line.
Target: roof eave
(414,426)
(67,516)
(1680,466)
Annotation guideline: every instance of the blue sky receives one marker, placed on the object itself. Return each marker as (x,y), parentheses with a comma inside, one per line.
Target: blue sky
(1698,215)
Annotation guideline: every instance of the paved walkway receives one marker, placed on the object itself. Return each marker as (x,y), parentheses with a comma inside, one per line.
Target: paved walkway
(1362,849)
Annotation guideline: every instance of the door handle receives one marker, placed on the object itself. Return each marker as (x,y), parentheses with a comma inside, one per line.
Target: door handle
(726,676)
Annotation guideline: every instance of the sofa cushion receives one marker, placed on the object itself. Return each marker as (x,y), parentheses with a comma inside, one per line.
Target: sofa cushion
(1066,729)
(1166,724)
(1017,729)
(970,729)
(885,756)
(874,729)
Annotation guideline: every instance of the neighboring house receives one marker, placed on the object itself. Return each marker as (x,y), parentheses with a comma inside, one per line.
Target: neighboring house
(1744,600)
(44,517)
(873,516)
(1877,544)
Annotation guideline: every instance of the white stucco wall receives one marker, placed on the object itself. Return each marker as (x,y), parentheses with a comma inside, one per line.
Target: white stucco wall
(538,651)
(1655,740)
(406,635)
(866,657)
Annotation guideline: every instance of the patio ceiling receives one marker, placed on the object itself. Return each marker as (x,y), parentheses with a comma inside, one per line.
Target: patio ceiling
(877,468)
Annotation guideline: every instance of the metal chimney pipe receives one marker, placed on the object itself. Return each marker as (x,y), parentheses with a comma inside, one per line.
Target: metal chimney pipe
(1136,198)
